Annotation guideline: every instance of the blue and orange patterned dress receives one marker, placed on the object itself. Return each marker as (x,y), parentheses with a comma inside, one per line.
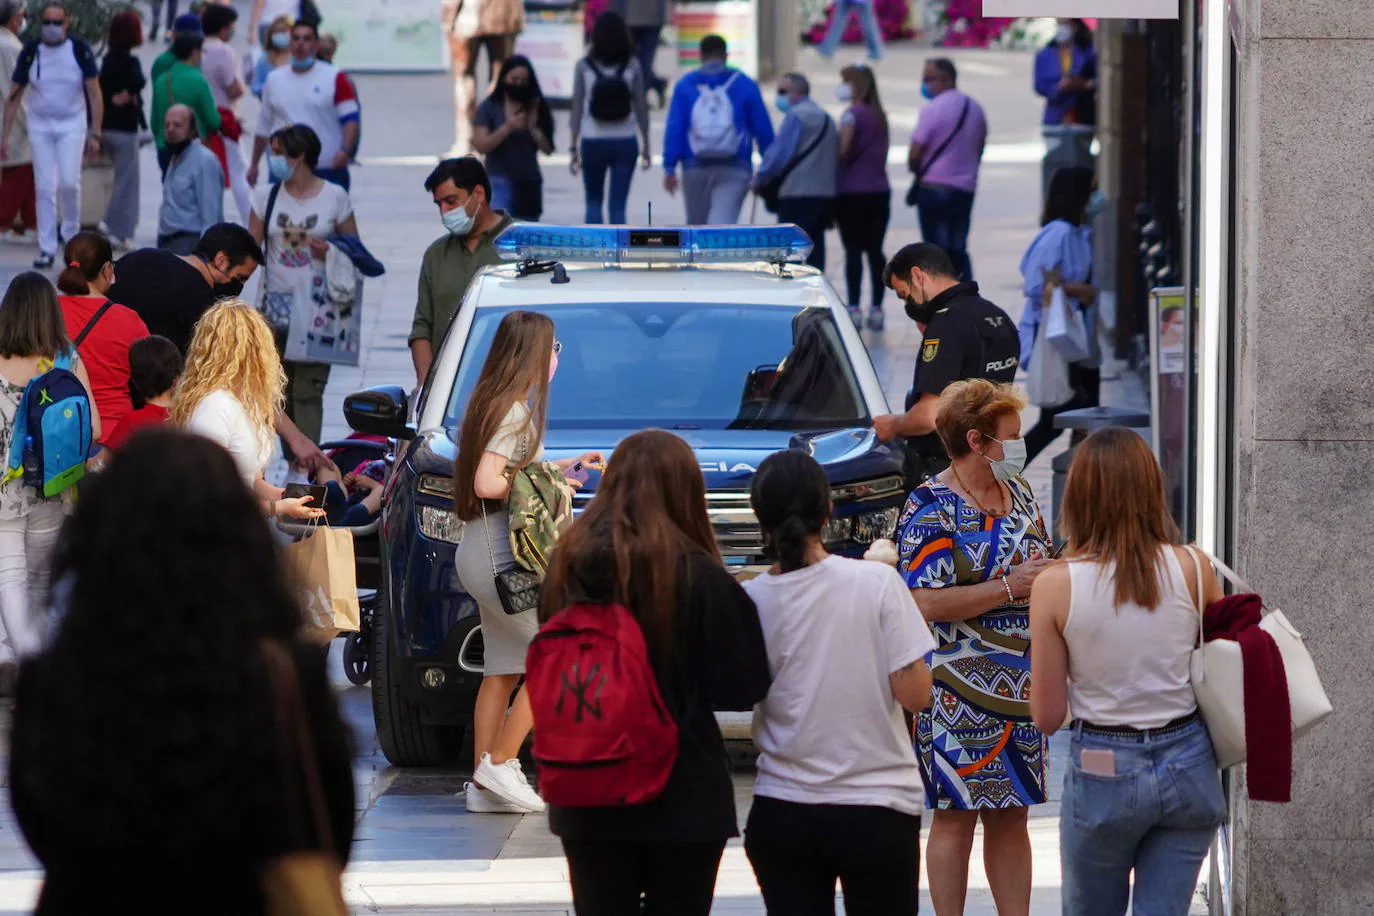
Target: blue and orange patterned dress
(976,743)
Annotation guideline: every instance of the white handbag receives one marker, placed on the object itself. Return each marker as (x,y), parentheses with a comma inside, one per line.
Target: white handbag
(1217,673)
(1065,328)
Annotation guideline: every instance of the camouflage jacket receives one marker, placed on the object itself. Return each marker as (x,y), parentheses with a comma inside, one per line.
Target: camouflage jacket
(540,511)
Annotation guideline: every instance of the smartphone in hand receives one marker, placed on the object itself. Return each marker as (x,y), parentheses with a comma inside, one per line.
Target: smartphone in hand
(579,472)
(316,492)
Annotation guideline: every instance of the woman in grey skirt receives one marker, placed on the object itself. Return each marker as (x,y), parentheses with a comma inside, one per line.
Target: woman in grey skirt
(502,431)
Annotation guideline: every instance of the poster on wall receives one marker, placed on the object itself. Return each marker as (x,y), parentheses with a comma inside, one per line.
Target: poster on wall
(1169,398)
(736,21)
(1083,9)
(387,35)
(554,42)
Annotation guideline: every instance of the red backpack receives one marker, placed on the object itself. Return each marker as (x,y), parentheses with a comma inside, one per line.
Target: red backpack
(602,733)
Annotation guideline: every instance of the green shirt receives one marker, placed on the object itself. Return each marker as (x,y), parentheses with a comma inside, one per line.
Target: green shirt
(161,63)
(445,273)
(182,84)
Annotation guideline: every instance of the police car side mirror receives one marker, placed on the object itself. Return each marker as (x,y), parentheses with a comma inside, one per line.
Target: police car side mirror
(379,411)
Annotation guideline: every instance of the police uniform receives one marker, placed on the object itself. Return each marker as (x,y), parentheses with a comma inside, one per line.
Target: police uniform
(967,337)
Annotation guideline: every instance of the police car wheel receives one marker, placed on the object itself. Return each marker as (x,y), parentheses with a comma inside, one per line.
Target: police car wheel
(404,738)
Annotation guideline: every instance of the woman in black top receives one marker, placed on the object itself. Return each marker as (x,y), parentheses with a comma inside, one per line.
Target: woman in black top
(646,543)
(151,776)
(121,84)
(513,125)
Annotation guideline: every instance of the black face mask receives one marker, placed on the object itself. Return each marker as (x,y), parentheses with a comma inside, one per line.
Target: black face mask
(231,290)
(919,312)
(521,95)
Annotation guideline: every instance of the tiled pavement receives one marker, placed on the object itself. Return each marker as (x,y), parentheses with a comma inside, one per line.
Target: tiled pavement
(418,851)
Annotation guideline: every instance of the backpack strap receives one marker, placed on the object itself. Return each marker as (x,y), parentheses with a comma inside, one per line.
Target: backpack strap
(95,319)
(267,217)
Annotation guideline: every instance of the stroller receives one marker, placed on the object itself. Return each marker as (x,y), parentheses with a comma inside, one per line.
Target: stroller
(367,554)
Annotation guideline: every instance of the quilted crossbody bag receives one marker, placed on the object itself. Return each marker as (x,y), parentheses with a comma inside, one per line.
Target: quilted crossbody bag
(517,587)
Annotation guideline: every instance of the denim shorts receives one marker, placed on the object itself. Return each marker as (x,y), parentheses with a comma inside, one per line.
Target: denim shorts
(1155,817)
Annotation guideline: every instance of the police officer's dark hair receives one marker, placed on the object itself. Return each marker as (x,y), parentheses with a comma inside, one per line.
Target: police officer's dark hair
(155,363)
(218,17)
(713,46)
(183,46)
(922,256)
(300,140)
(231,239)
(1067,198)
(306,22)
(945,66)
(466,173)
(790,496)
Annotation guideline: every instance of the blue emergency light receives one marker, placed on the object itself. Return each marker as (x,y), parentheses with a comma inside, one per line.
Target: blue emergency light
(672,245)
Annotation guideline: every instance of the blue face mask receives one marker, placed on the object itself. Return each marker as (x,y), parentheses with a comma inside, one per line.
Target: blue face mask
(281,40)
(278,168)
(302,63)
(458,221)
(52,34)
(925,92)
(784,103)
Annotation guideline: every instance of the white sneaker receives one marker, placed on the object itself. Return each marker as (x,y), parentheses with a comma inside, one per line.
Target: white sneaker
(480,801)
(508,782)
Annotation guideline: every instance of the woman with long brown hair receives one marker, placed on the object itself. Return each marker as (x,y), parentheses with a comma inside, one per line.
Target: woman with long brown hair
(646,544)
(864,200)
(1112,631)
(502,432)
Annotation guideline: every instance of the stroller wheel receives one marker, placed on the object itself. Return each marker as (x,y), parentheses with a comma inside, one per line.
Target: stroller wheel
(357,658)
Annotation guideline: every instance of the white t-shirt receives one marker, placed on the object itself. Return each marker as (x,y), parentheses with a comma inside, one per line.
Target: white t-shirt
(290,268)
(830,732)
(515,435)
(57,91)
(221,418)
(321,97)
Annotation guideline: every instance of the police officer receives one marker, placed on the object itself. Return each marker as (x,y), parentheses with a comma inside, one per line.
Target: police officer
(965,336)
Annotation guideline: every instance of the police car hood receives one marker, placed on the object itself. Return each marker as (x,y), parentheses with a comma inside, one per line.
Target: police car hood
(728,457)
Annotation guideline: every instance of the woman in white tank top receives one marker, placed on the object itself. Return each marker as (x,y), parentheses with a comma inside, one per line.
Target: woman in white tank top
(1111,634)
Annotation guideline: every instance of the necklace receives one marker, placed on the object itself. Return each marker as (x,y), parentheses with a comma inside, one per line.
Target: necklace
(981,508)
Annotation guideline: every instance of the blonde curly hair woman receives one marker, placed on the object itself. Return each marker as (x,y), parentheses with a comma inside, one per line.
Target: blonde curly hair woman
(230,392)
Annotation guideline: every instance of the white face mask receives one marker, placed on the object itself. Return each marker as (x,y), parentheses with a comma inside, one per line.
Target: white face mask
(843,93)
(1013,459)
(1063,35)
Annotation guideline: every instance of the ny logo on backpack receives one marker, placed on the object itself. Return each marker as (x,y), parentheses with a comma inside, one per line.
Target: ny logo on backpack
(52,432)
(602,733)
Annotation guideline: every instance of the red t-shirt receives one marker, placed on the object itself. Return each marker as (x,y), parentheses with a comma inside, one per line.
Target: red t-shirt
(132,422)
(105,351)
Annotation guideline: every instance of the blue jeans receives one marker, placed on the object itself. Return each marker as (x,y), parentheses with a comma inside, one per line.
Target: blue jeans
(839,21)
(646,48)
(522,198)
(599,156)
(1157,817)
(945,214)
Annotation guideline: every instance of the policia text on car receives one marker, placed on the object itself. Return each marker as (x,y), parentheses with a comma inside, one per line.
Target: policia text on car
(965,336)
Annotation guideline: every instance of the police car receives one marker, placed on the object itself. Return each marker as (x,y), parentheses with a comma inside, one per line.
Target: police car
(717,334)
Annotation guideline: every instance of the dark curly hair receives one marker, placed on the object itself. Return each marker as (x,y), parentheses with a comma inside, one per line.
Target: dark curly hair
(149,722)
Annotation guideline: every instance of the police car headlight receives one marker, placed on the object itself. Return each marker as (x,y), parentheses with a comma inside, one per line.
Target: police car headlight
(870,526)
(440,524)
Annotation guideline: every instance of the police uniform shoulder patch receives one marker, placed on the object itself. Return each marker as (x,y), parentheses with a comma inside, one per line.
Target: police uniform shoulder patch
(929,348)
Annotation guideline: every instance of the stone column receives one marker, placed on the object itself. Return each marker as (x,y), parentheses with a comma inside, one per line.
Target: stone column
(1303,419)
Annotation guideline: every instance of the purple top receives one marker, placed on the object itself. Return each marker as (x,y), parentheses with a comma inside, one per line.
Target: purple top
(865,169)
(957,166)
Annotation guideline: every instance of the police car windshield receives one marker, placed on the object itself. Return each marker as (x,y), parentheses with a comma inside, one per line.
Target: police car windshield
(686,365)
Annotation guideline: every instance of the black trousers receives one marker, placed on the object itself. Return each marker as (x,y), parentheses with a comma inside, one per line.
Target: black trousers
(813,215)
(799,851)
(642,879)
(862,219)
(1087,392)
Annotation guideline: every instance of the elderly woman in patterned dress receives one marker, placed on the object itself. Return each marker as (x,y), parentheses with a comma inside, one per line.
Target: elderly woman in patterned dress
(971,541)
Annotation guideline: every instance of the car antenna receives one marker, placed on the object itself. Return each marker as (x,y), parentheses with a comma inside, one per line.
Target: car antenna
(651,213)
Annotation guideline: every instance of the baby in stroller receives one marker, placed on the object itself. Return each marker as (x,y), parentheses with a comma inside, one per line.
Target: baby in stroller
(354,499)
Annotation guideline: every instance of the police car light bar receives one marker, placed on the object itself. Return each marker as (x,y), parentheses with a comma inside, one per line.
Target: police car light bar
(680,245)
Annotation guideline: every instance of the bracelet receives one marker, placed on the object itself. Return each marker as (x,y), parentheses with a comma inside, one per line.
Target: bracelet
(1007,586)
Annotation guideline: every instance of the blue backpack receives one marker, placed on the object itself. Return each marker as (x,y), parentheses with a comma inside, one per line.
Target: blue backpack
(52,430)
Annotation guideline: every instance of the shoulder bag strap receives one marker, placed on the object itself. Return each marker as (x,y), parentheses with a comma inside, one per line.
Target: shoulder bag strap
(95,319)
(1200,605)
(810,148)
(267,217)
(940,150)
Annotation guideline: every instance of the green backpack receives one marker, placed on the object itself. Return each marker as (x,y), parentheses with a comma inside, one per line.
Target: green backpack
(540,511)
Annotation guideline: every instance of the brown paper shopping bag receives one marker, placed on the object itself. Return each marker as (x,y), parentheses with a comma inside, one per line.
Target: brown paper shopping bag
(322,572)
